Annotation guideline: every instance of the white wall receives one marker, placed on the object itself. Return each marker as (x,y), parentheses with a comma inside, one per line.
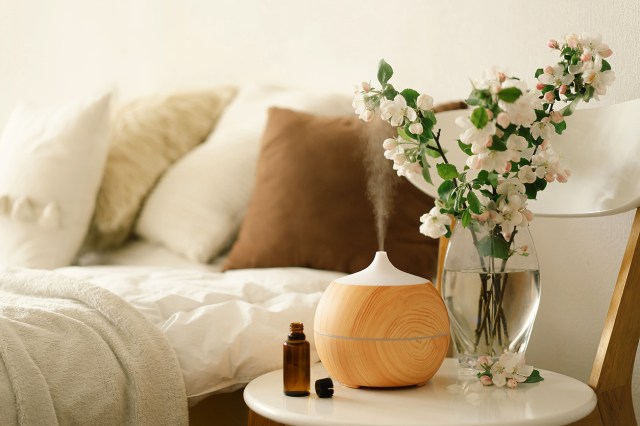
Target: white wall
(64,49)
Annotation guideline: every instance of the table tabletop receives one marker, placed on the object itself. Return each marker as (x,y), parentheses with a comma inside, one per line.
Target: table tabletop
(449,398)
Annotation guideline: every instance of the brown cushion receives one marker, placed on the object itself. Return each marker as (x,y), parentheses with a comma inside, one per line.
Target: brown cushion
(309,207)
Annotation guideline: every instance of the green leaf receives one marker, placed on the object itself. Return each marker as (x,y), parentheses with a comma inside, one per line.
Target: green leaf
(535,377)
(510,94)
(548,88)
(539,72)
(498,144)
(430,117)
(466,148)
(486,193)
(532,189)
(482,177)
(410,96)
(447,171)
(384,72)
(540,114)
(445,189)
(606,66)
(425,165)
(389,91)
(479,117)
(466,218)
(433,154)
(560,127)
(472,101)
(474,203)
(493,179)
(493,246)
(426,175)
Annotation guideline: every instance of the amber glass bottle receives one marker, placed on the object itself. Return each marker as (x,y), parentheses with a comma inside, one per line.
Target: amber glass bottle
(296,362)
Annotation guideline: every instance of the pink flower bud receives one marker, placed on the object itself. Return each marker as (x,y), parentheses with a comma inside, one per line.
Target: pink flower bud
(540,86)
(544,145)
(549,96)
(553,44)
(501,76)
(366,87)
(563,89)
(524,248)
(489,141)
(503,120)
(507,169)
(572,40)
(490,114)
(556,117)
(549,177)
(486,380)
(606,53)
(548,70)
(512,383)
(482,217)
(585,57)
(529,216)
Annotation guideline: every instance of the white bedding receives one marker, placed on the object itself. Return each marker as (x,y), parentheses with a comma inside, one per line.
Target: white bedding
(226,328)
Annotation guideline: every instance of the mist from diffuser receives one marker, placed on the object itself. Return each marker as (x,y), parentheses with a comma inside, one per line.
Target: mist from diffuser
(381,327)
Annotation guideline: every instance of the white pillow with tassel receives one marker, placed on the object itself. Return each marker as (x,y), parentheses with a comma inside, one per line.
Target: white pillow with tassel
(51,165)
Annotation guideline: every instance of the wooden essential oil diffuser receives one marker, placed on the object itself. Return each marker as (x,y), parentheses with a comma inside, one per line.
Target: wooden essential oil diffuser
(381,327)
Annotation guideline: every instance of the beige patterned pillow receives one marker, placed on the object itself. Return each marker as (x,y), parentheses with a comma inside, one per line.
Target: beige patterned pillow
(147,136)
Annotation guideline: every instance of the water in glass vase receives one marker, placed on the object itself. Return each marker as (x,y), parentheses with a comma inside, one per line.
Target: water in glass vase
(490,312)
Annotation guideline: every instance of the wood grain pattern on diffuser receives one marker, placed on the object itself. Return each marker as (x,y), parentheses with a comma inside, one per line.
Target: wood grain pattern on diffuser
(381,336)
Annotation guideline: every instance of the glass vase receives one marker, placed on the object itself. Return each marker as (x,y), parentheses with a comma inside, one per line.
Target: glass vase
(491,287)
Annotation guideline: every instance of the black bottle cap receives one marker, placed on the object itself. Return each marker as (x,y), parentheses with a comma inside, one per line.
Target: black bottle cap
(324,387)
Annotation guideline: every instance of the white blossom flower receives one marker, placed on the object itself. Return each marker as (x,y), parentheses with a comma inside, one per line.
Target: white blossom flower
(547,166)
(515,145)
(522,111)
(390,143)
(489,160)
(510,186)
(526,174)
(503,120)
(479,139)
(514,212)
(363,105)
(510,366)
(594,76)
(434,223)
(407,168)
(572,40)
(557,77)
(543,129)
(593,44)
(424,102)
(416,128)
(492,79)
(399,158)
(395,111)
(576,68)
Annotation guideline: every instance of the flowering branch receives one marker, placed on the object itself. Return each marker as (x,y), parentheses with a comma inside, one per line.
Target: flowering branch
(508,370)
(506,137)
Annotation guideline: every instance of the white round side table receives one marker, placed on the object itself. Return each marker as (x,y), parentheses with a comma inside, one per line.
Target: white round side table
(447,399)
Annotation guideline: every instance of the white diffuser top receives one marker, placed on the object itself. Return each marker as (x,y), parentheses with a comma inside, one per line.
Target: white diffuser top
(381,273)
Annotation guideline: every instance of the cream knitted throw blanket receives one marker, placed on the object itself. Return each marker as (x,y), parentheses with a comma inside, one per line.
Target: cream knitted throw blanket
(74,353)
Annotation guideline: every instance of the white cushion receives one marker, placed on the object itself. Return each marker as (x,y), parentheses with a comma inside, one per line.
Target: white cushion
(51,164)
(197,207)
